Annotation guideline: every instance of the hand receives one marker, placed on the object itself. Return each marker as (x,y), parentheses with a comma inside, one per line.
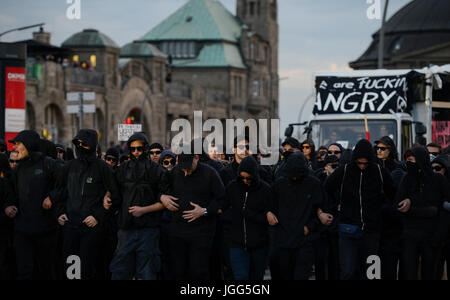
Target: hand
(63,219)
(272,219)
(168,202)
(47,204)
(219,212)
(404,206)
(90,221)
(192,215)
(11,211)
(136,211)
(326,219)
(305,230)
(107,202)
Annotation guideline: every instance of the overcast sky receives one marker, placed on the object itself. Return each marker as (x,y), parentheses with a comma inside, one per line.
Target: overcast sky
(315,35)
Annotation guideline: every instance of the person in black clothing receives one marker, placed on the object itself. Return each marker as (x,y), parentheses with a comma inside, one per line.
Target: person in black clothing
(85,182)
(363,188)
(392,227)
(309,150)
(155,152)
(69,155)
(249,198)
(138,255)
(31,206)
(441,164)
(168,160)
(112,157)
(47,148)
(290,145)
(193,192)
(3,147)
(60,152)
(6,224)
(421,196)
(297,197)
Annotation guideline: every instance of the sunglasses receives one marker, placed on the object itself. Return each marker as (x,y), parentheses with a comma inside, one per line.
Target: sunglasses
(437,168)
(60,151)
(362,163)
(155,152)
(334,152)
(139,149)
(242,147)
(14,161)
(80,144)
(306,147)
(113,159)
(246,178)
(381,148)
(169,162)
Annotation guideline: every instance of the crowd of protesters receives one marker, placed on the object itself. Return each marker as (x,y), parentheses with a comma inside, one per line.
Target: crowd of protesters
(140,212)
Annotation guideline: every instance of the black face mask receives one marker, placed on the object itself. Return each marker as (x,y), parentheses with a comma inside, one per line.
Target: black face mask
(412,168)
(286,154)
(82,152)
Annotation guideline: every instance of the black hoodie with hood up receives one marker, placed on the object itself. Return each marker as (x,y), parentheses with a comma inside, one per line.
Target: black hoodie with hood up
(427,191)
(139,181)
(85,181)
(297,195)
(249,207)
(33,181)
(364,192)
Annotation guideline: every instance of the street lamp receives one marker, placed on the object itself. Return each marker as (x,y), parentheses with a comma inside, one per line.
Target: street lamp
(381,37)
(21,28)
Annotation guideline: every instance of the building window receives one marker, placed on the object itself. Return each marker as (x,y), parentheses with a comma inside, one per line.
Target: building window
(93,61)
(252,51)
(258,8)
(76,58)
(252,8)
(238,87)
(256,88)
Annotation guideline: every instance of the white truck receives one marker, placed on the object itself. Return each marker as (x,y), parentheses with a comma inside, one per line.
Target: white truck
(395,103)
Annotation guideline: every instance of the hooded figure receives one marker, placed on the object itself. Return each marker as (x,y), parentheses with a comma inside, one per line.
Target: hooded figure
(6,224)
(424,234)
(48,148)
(139,214)
(249,199)
(31,206)
(311,158)
(85,181)
(359,190)
(297,196)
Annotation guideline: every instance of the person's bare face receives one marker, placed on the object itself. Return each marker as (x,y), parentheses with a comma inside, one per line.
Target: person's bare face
(434,150)
(307,149)
(242,150)
(13,160)
(155,154)
(362,163)
(213,152)
(383,151)
(168,163)
(21,150)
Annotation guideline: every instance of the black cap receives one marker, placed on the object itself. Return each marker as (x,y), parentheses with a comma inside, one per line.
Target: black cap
(156,146)
(113,152)
(29,138)
(293,142)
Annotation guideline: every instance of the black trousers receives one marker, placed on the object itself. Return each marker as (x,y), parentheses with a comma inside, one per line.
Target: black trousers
(296,264)
(85,243)
(7,260)
(35,256)
(444,257)
(391,250)
(419,247)
(190,257)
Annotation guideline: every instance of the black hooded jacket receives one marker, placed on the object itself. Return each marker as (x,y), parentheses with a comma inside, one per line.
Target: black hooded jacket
(5,190)
(33,181)
(295,203)
(84,182)
(249,206)
(427,191)
(362,193)
(139,181)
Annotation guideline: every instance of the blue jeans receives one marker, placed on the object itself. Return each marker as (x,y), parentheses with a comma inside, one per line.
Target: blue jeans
(137,255)
(353,254)
(248,264)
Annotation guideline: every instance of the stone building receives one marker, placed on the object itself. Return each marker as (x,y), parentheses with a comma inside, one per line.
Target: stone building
(201,57)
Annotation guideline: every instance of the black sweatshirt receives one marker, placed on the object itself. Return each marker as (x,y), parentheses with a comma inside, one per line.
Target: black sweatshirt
(204,188)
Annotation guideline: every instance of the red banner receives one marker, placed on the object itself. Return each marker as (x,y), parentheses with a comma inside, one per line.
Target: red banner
(14,102)
(441,133)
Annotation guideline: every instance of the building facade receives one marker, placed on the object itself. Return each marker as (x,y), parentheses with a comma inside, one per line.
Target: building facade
(201,57)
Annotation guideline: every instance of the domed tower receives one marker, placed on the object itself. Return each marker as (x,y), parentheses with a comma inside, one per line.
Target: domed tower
(416,36)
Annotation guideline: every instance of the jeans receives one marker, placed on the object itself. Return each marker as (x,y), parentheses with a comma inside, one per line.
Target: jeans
(137,255)
(248,264)
(353,254)
(190,257)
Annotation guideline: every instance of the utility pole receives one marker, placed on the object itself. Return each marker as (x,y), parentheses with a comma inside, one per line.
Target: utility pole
(81,111)
(381,38)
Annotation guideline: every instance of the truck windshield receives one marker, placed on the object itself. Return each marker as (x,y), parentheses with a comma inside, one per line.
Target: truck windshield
(349,132)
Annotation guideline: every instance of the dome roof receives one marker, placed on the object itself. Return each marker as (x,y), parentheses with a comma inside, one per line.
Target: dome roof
(418,25)
(140,49)
(89,38)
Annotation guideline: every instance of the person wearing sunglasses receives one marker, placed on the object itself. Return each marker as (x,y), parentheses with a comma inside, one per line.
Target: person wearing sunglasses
(13,160)
(86,180)
(336,150)
(248,198)
(434,149)
(421,197)
(112,157)
(137,254)
(168,160)
(290,145)
(359,190)
(309,150)
(31,205)
(155,152)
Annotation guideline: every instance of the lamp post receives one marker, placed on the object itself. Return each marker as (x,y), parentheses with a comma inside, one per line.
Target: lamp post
(21,28)
(381,43)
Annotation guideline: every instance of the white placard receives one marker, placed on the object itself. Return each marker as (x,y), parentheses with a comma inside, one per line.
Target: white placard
(87,109)
(125,131)
(87,96)
(14,120)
